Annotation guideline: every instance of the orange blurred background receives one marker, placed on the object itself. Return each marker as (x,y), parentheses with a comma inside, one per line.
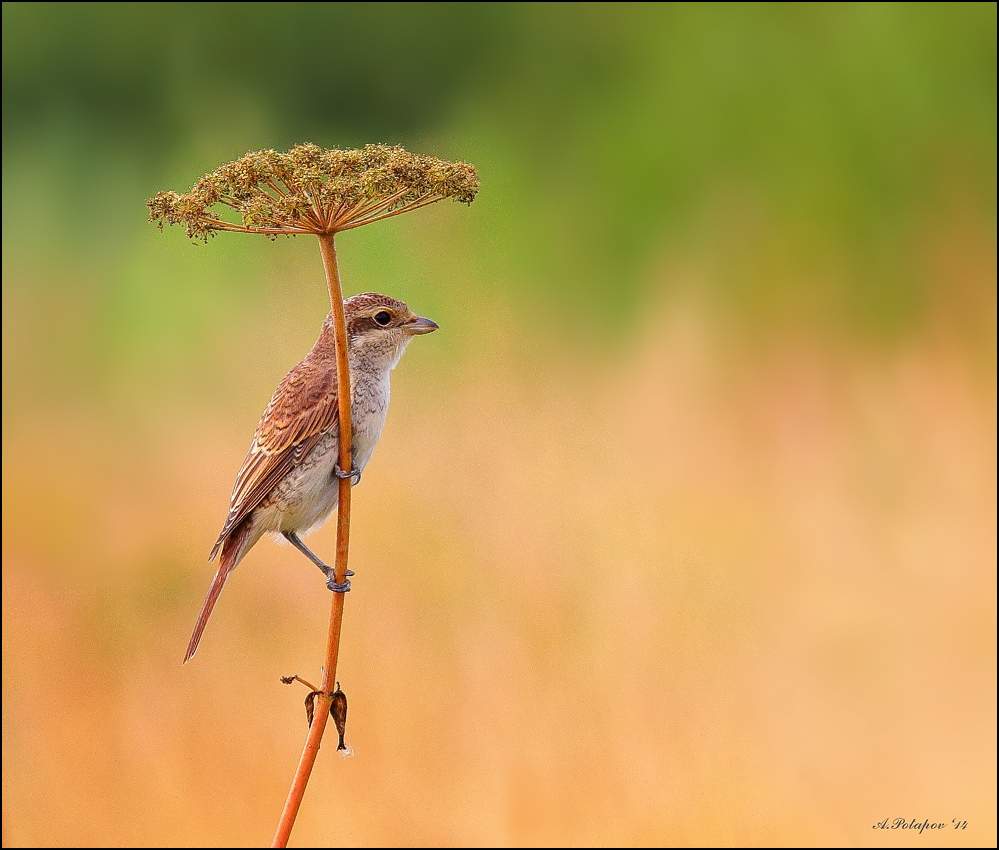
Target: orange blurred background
(682,530)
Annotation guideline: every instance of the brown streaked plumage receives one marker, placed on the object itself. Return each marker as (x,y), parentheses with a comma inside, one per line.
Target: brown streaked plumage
(289,481)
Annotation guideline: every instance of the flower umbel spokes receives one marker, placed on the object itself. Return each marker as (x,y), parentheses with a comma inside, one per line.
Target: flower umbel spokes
(312,190)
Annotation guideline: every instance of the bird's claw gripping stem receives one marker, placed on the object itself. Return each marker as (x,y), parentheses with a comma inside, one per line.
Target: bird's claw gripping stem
(333,585)
(354,473)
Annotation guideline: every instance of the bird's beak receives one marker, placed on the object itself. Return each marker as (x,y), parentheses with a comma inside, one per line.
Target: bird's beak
(419,325)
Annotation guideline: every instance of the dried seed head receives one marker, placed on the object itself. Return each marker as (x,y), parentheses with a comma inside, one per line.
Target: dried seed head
(311,190)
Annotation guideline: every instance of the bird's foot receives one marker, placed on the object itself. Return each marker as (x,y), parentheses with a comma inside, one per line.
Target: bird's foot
(335,586)
(354,473)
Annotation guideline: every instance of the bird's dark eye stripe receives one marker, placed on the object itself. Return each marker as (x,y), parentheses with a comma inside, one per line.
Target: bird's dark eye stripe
(382,318)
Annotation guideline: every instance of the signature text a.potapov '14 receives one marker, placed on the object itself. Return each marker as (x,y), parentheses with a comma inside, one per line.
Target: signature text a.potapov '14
(919,826)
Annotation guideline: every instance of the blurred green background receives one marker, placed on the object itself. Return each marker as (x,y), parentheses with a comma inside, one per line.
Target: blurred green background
(682,530)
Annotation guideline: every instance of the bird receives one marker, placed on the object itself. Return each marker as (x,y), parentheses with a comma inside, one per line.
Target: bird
(289,481)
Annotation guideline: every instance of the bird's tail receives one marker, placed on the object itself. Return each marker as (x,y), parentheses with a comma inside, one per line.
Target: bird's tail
(233,549)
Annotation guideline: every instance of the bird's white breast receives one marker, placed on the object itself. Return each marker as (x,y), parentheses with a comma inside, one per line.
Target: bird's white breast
(369,407)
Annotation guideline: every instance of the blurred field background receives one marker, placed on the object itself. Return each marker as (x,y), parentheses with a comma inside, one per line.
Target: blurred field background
(681,531)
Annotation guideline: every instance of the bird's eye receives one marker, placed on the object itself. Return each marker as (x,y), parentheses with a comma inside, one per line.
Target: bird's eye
(382,318)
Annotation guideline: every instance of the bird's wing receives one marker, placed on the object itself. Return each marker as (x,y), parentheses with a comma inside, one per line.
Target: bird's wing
(303,408)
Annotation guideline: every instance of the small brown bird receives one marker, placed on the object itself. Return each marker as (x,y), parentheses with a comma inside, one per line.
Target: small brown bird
(289,481)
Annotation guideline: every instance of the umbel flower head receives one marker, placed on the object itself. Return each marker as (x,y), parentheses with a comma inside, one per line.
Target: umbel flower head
(312,190)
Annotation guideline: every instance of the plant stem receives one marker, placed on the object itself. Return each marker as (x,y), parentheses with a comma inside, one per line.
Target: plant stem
(326,688)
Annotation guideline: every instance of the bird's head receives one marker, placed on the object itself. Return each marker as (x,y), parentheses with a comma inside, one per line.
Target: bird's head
(379,328)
